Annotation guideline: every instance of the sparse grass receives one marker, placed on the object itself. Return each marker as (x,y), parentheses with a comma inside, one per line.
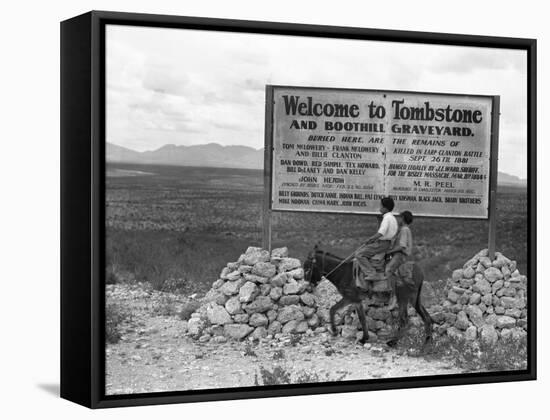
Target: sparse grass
(278,354)
(187,223)
(329,352)
(249,350)
(305,377)
(281,375)
(166,306)
(472,356)
(295,339)
(172,261)
(188,308)
(276,376)
(115,315)
(111,276)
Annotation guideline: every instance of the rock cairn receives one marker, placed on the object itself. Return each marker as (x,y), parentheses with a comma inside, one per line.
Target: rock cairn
(259,296)
(486,300)
(264,296)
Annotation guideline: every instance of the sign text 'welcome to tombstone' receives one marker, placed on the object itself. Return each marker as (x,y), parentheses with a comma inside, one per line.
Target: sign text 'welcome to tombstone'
(341,150)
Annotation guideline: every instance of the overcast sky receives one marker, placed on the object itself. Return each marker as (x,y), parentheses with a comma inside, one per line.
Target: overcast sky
(193,87)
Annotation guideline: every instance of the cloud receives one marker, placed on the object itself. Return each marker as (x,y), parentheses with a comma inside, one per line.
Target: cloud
(482,59)
(192,87)
(165,79)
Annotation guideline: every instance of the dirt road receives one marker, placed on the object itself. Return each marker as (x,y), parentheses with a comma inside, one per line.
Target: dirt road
(154,354)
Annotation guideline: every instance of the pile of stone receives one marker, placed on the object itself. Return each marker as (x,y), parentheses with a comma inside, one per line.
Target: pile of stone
(260,295)
(265,295)
(486,300)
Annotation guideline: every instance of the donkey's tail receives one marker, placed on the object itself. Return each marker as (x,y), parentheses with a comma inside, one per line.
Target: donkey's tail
(418,300)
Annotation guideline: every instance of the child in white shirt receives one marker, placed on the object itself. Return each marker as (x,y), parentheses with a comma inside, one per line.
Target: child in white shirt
(381,241)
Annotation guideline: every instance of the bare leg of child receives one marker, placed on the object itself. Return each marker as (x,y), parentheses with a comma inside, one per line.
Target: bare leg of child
(391,267)
(393,298)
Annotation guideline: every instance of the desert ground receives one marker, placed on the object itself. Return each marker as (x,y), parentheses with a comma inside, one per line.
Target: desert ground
(171,230)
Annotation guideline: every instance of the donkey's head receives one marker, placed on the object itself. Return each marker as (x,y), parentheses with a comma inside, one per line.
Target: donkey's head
(312,272)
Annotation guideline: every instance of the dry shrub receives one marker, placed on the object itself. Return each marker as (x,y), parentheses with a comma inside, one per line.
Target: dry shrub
(115,315)
(281,375)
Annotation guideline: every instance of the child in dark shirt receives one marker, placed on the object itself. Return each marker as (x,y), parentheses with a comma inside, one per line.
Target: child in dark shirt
(400,252)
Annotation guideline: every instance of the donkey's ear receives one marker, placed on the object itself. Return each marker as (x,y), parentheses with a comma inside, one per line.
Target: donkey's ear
(316,247)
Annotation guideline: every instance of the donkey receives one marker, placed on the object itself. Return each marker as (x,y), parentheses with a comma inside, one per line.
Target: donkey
(320,263)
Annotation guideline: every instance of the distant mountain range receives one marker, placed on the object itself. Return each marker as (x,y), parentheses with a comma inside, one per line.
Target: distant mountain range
(212,155)
(507,179)
(218,156)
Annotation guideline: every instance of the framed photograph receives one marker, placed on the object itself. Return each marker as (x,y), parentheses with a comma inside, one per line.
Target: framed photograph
(258,209)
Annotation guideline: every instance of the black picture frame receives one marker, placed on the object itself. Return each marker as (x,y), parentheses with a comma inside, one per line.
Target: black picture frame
(83,209)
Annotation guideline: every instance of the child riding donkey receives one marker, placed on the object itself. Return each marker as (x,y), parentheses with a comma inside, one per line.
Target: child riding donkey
(390,239)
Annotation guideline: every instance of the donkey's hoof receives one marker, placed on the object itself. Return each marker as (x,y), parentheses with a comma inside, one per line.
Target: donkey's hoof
(428,346)
(392,342)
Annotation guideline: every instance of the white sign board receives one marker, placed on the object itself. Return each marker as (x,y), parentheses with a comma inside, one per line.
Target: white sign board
(341,150)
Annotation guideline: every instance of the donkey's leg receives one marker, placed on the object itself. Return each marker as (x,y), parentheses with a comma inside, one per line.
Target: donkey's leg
(339,305)
(402,321)
(418,277)
(425,317)
(363,319)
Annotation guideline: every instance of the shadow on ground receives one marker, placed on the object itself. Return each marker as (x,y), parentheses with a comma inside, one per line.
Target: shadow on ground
(52,389)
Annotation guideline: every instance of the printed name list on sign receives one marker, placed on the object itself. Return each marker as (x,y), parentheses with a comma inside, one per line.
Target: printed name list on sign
(341,150)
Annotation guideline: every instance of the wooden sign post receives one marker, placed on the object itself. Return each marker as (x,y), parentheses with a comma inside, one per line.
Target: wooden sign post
(268,157)
(495,120)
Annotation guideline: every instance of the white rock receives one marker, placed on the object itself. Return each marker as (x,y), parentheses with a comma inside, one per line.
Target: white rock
(290,327)
(279,253)
(475,299)
(289,264)
(468,273)
(259,333)
(275,327)
(195,326)
(485,261)
(234,275)
(255,279)
(233,306)
(462,322)
(488,334)
(289,313)
(248,292)
(231,287)
(291,287)
(482,286)
(237,331)
(297,273)
(471,333)
(252,258)
(244,269)
(260,304)
(457,275)
(264,269)
(493,274)
(217,314)
(258,320)
(289,300)
(308,299)
(505,322)
(252,249)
